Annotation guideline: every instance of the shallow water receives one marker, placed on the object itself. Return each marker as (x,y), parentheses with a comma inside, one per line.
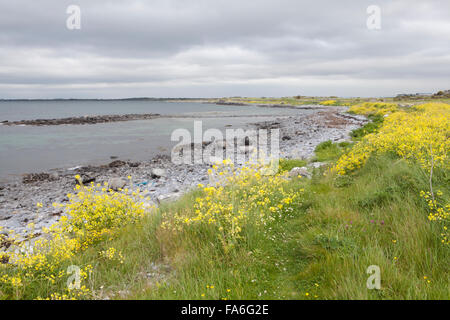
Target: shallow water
(34,149)
(30,110)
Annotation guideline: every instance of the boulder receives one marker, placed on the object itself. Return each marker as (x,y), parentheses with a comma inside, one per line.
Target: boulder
(85,179)
(303,172)
(133,164)
(317,164)
(117,163)
(158,173)
(168,196)
(35,177)
(116,183)
(54,176)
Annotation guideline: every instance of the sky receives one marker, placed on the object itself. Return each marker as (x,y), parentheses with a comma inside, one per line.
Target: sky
(222,48)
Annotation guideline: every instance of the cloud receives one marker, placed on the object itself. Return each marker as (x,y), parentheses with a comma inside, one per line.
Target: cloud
(217,48)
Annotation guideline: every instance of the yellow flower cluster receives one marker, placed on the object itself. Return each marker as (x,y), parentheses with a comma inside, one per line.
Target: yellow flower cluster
(328,103)
(438,213)
(112,254)
(241,197)
(13,281)
(80,293)
(91,215)
(421,134)
(374,108)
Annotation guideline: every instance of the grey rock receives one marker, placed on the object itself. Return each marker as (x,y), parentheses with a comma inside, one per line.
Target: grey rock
(317,164)
(54,176)
(35,177)
(158,173)
(133,164)
(116,183)
(167,196)
(85,179)
(117,164)
(303,172)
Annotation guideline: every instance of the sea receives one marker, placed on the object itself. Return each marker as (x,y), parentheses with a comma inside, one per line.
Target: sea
(30,149)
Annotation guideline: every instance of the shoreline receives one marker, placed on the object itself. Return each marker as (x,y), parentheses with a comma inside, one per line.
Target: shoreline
(81,120)
(299,135)
(110,118)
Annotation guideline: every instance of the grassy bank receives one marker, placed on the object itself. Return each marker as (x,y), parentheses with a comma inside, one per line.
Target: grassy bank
(333,100)
(269,237)
(319,249)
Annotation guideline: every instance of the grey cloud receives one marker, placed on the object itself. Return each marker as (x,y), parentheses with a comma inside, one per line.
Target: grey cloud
(217,48)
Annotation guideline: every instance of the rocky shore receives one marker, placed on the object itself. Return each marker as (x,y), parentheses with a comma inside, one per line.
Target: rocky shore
(158,177)
(81,120)
(95,119)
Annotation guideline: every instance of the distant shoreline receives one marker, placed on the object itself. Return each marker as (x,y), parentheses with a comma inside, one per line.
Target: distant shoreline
(110,99)
(95,119)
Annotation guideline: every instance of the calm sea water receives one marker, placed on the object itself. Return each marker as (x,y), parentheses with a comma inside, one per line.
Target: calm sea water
(34,149)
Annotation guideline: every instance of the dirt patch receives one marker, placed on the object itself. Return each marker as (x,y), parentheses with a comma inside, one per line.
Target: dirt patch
(331,120)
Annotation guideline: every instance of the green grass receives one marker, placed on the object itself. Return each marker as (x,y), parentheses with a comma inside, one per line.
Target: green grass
(330,151)
(375,123)
(321,251)
(306,100)
(289,164)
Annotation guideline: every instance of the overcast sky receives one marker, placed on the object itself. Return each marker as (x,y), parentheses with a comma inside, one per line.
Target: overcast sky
(215,48)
